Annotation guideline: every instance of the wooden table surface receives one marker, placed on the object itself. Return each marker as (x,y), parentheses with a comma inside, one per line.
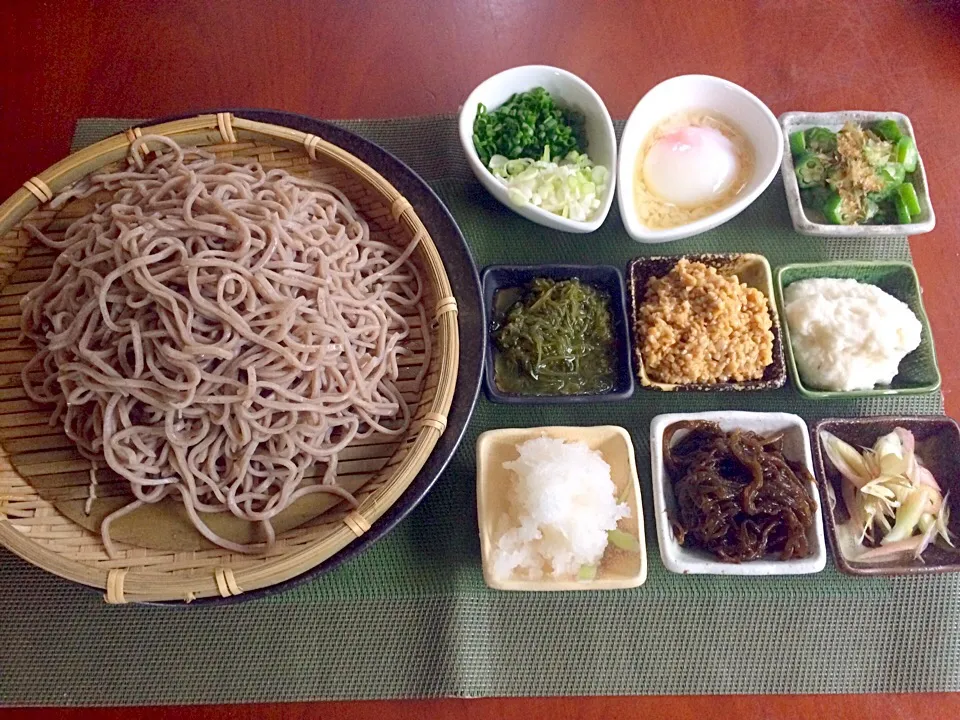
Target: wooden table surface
(363,58)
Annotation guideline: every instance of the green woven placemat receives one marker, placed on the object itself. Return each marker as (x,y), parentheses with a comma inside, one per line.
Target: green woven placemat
(412,618)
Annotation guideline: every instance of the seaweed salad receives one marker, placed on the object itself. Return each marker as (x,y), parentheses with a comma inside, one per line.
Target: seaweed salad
(554,338)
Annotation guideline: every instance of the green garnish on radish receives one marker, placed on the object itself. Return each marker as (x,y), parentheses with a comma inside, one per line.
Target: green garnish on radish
(623,540)
(587,572)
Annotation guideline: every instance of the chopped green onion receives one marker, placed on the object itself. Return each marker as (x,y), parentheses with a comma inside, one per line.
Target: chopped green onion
(907,153)
(798,142)
(524,126)
(587,572)
(571,188)
(888,130)
(624,541)
(908,193)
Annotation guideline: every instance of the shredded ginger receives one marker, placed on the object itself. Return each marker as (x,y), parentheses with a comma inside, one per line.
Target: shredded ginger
(860,155)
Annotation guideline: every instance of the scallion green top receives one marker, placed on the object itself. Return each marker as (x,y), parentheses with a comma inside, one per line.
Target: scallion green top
(524,125)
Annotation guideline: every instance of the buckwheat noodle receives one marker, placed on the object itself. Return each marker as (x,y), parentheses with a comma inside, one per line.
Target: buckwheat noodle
(213,330)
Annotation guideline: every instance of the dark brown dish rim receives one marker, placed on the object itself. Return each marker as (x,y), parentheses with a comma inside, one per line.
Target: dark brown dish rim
(941,437)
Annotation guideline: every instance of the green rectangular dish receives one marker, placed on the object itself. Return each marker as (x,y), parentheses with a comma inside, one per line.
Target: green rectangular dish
(918,372)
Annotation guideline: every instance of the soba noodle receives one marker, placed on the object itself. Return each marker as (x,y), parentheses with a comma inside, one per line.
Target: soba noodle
(214,329)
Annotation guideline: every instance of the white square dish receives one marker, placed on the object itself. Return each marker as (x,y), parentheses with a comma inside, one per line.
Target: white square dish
(811,222)
(618,569)
(796,443)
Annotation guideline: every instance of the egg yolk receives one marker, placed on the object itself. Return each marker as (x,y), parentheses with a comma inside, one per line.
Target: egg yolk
(691,166)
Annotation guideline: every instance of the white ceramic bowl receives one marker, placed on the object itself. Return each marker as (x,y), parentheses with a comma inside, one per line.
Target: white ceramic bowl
(807,221)
(569,92)
(698,92)
(796,447)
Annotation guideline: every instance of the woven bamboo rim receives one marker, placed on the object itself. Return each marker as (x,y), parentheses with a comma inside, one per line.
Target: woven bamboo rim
(31,525)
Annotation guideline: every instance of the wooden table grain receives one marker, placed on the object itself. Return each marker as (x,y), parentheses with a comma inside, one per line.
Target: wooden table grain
(364,58)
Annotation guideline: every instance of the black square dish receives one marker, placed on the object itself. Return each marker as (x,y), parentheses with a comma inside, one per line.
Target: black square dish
(750,269)
(602,277)
(938,445)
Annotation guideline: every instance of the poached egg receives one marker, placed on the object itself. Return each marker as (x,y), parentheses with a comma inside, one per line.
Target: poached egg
(691,166)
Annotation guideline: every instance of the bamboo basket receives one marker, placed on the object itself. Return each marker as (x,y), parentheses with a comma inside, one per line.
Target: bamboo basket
(39,466)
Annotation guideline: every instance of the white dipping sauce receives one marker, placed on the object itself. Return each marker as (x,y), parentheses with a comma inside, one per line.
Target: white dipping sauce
(848,335)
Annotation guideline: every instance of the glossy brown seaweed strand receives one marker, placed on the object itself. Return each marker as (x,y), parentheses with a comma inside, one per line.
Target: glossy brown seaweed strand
(737,496)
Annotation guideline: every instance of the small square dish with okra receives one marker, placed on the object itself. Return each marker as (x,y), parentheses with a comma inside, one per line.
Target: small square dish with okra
(854,174)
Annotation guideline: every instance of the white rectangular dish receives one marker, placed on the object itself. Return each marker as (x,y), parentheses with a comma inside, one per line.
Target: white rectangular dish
(796,445)
(812,222)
